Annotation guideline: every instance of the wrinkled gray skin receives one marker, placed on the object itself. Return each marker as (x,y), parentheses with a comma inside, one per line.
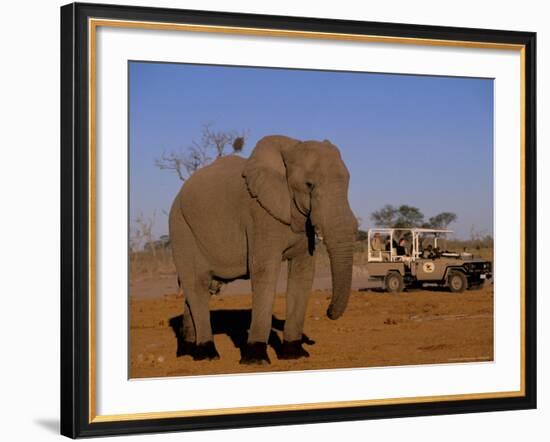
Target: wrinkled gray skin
(240,218)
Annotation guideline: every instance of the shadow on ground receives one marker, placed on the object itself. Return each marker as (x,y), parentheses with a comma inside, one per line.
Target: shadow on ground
(235,324)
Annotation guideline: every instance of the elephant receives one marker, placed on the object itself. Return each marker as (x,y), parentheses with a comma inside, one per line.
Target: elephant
(241,218)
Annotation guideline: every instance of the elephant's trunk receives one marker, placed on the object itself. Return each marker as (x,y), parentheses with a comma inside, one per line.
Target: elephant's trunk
(339,233)
(341,266)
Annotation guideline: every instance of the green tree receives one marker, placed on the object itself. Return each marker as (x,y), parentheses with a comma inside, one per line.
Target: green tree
(402,216)
(442,220)
(409,216)
(385,217)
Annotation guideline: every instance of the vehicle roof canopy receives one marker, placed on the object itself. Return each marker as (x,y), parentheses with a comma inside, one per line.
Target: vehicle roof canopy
(411,229)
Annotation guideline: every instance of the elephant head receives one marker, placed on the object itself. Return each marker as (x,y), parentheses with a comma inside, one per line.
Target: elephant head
(305,184)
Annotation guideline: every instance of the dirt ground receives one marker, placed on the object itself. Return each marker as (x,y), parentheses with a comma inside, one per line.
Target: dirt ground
(378,329)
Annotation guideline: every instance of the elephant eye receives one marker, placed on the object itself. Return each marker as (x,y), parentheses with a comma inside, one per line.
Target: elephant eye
(309,185)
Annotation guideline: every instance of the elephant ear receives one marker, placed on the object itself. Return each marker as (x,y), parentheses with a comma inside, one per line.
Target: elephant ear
(265,175)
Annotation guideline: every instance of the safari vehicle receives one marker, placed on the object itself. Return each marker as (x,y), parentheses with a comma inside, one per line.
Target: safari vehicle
(411,257)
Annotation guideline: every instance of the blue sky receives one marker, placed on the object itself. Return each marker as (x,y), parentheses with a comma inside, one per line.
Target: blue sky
(406,139)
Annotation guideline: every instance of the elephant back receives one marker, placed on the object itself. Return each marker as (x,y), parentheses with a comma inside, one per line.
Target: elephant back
(214,202)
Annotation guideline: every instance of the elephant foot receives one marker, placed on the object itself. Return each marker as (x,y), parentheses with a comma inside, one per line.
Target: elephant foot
(292,350)
(186,348)
(206,351)
(255,353)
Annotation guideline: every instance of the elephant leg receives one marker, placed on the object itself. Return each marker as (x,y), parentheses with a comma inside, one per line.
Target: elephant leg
(301,271)
(264,276)
(197,299)
(188,326)
(188,344)
(195,281)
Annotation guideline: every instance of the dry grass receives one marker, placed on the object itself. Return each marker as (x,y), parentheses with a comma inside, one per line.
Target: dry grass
(145,265)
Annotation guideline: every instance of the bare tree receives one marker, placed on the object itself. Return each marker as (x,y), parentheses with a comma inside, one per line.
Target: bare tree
(134,239)
(196,158)
(198,153)
(172,161)
(144,231)
(218,140)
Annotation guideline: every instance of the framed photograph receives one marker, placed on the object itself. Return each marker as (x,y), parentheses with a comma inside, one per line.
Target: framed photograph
(274,220)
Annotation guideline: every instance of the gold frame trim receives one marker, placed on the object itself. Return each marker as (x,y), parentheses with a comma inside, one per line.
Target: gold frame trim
(93,24)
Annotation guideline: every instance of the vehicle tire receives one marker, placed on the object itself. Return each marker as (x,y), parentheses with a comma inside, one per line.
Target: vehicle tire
(457,282)
(394,282)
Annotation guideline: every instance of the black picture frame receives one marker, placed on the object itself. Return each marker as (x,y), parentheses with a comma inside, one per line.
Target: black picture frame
(75,219)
